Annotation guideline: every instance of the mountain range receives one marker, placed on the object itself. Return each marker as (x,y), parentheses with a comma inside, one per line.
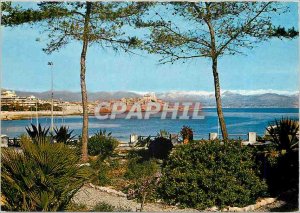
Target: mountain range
(231,99)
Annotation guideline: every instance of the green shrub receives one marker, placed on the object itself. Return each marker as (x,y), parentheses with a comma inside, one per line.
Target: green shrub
(145,177)
(102,144)
(103,178)
(280,160)
(207,173)
(141,154)
(137,170)
(43,177)
(160,147)
(144,189)
(281,171)
(103,207)
(74,207)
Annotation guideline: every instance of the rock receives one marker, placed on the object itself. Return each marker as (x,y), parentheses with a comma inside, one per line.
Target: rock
(263,202)
(269,200)
(84,164)
(235,209)
(257,205)
(249,208)
(212,209)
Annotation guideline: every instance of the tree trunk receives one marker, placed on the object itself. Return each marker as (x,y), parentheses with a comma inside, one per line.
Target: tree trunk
(218,99)
(83,84)
(214,57)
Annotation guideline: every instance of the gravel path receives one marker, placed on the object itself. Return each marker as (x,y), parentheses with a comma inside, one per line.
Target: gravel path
(270,207)
(91,196)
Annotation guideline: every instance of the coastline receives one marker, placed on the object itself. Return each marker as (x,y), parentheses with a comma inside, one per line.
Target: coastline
(21,115)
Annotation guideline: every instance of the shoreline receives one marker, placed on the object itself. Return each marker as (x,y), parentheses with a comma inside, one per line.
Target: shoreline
(23,115)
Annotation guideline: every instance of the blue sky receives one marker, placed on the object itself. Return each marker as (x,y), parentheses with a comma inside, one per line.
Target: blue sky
(271,65)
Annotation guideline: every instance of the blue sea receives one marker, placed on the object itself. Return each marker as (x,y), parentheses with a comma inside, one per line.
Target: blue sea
(239,122)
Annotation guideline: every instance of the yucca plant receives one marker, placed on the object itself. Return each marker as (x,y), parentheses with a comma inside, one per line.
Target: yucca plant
(63,135)
(163,133)
(37,133)
(143,142)
(284,133)
(43,177)
(102,133)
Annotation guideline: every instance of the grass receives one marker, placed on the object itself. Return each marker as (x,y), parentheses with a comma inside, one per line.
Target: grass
(104,207)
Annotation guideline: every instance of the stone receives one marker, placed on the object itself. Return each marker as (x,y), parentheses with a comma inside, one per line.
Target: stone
(250,208)
(257,205)
(212,209)
(213,136)
(235,209)
(270,200)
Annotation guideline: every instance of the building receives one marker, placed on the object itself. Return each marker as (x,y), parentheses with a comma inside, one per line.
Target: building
(10,98)
(150,97)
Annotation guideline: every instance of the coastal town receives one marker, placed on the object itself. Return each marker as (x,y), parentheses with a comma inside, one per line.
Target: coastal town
(15,107)
(132,106)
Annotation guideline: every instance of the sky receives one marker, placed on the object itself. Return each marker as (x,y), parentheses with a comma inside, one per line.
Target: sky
(272,65)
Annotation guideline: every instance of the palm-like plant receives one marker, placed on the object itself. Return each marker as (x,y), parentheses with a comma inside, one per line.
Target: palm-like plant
(163,133)
(284,133)
(43,177)
(63,135)
(37,133)
(102,133)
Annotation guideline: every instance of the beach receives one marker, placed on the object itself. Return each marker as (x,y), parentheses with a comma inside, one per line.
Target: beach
(19,115)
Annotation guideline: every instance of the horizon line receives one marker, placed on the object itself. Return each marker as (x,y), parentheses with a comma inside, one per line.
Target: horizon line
(189,92)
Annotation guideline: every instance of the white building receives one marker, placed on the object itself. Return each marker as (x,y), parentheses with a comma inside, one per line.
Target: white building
(150,97)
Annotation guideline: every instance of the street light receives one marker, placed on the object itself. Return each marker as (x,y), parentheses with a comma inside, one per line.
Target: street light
(50,63)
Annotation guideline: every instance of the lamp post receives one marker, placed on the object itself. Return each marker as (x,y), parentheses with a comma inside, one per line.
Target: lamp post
(36,113)
(50,63)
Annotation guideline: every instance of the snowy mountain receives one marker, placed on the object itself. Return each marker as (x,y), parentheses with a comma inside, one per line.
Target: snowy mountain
(230,98)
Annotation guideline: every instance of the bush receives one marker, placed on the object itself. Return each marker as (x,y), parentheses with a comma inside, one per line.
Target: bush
(281,171)
(207,173)
(141,154)
(43,177)
(280,160)
(144,189)
(283,133)
(103,178)
(160,147)
(74,207)
(105,207)
(145,177)
(137,169)
(102,144)
(187,133)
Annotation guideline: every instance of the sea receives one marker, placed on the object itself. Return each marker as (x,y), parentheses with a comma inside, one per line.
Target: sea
(239,122)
